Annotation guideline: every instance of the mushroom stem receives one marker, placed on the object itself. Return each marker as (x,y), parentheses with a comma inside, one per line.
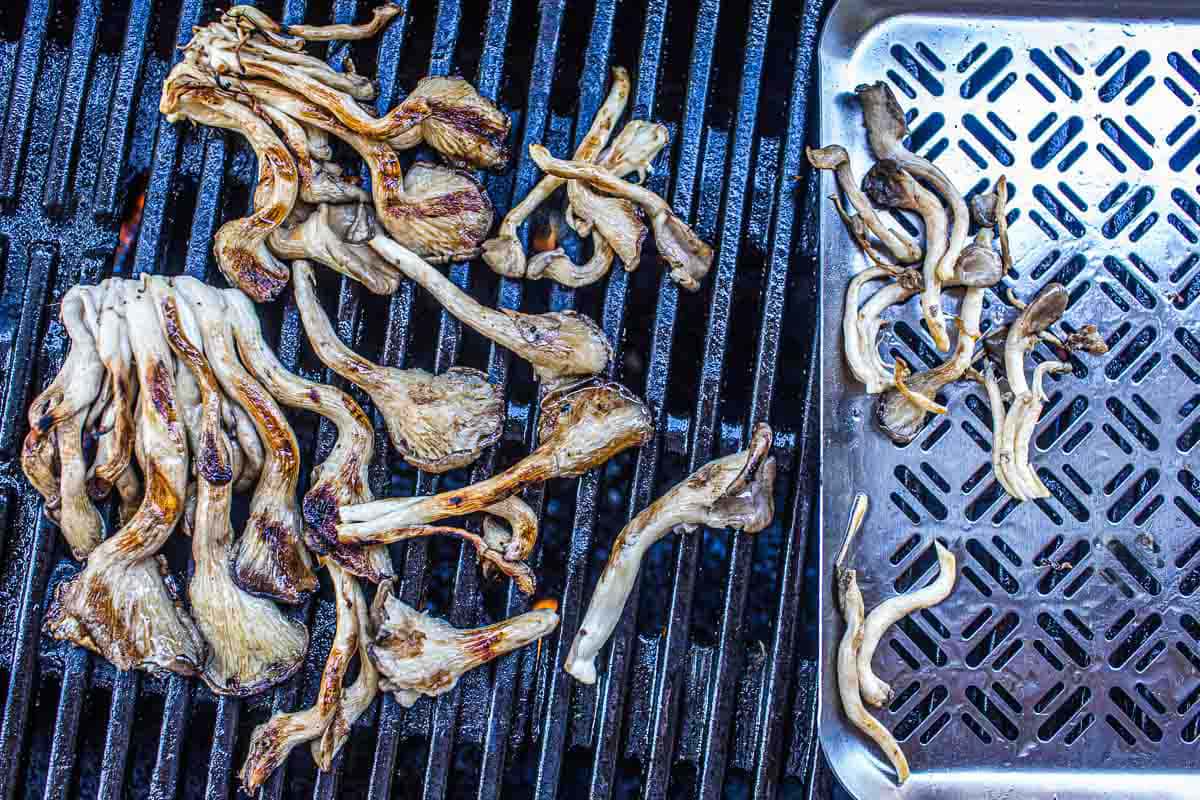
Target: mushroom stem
(381,15)
(579,429)
(419,655)
(730,492)
(342,478)
(886,129)
(271,558)
(317,237)
(834,157)
(874,690)
(687,255)
(560,345)
(252,645)
(438,423)
(271,741)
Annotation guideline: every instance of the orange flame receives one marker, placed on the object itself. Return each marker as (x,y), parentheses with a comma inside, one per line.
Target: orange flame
(546,237)
(129,229)
(538,605)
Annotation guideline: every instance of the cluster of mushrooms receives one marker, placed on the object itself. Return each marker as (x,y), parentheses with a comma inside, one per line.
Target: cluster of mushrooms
(857,681)
(949,257)
(171,396)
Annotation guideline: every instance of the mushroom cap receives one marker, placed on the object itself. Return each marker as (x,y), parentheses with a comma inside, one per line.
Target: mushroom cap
(882,116)
(890,186)
(979,265)
(1045,310)
(829,157)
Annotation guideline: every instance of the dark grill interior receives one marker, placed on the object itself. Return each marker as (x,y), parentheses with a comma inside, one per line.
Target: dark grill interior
(708,688)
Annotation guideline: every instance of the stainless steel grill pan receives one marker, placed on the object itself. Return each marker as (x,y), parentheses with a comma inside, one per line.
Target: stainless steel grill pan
(1066,664)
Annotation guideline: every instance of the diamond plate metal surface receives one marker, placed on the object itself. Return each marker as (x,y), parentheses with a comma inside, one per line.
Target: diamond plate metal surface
(1067,661)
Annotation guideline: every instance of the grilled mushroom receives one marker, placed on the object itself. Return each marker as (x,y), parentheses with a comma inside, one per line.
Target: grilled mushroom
(271,741)
(730,492)
(119,605)
(357,698)
(418,655)
(561,346)
(52,455)
(851,601)
(889,185)
(320,234)
(252,645)
(688,257)
(342,478)
(504,253)
(1013,429)
(873,689)
(901,411)
(271,559)
(320,182)
(114,445)
(904,249)
(437,422)
(240,246)
(886,131)
(579,429)
(442,214)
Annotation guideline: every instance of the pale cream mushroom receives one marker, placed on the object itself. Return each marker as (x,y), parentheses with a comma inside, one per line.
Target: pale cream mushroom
(730,492)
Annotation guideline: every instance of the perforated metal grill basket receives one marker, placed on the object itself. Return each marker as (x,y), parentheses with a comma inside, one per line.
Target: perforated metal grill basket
(1066,663)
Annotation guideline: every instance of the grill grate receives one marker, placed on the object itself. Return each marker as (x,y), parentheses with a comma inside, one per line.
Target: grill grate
(703,692)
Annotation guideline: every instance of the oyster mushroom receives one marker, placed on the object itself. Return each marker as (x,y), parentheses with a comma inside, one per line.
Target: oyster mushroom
(119,605)
(252,645)
(442,214)
(114,446)
(579,429)
(271,560)
(319,182)
(504,253)
(320,235)
(850,600)
(730,492)
(418,655)
(437,422)
(890,186)
(52,455)
(873,689)
(563,347)
(240,246)
(904,249)
(688,257)
(271,741)
(341,479)
(901,411)
(356,698)
(886,131)
(1013,429)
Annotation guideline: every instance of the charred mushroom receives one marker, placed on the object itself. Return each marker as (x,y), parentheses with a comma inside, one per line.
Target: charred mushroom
(271,558)
(341,479)
(418,655)
(886,130)
(321,235)
(252,645)
(688,257)
(271,741)
(113,465)
(579,429)
(562,346)
(119,605)
(437,422)
(240,246)
(730,492)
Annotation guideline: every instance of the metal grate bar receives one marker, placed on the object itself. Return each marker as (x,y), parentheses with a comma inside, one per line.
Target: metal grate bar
(66,728)
(665,697)
(116,742)
(774,695)
(164,780)
(106,200)
(220,763)
(70,107)
(20,97)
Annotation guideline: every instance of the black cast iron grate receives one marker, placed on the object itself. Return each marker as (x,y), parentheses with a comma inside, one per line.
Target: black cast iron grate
(708,688)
